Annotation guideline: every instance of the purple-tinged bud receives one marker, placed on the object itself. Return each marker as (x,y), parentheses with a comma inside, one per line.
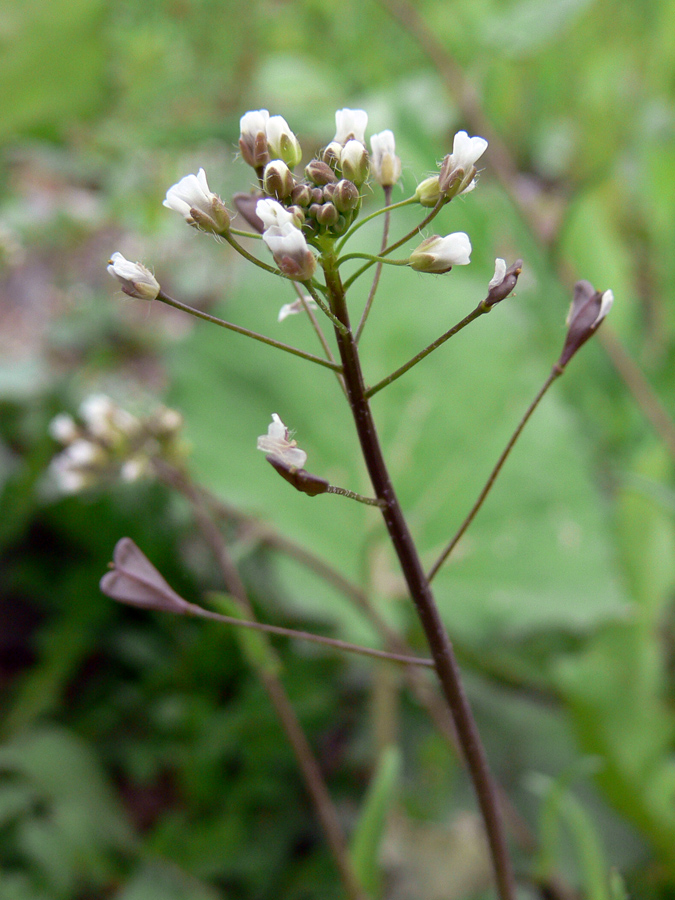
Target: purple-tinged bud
(327,215)
(317,195)
(291,253)
(253,138)
(458,170)
(328,192)
(320,172)
(301,479)
(589,308)
(298,214)
(315,210)
(331,154)
(346,195)
(503,282)
(301,195)
(277,180)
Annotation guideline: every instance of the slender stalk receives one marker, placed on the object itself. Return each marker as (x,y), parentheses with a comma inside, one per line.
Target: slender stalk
(380,260)
(321,303)
(373,215)
(411,234)
(555,373)
(478,311)
(343,492)
(249,256)
(293,633)
(252,334)
(439,642)
(315,324)
(378,270)
(307,762)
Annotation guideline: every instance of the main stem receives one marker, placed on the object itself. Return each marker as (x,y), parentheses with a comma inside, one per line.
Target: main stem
(437,636)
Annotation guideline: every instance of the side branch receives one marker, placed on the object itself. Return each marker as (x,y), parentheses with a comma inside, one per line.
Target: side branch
(555,373)
(247,332)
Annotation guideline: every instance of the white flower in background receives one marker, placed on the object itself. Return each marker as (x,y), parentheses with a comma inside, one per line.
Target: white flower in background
(439,254)
(192,198)
(281,141)
(105,419)
(136,280)
(135,468)
(292,309)
(253,137)
(271,213)
(385,164)
(350,124)
(500,273)
(74,469)
(278,444)
(290,251)
(63,428)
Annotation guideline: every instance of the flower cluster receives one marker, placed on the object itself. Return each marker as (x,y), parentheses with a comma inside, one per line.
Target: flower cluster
(109,441)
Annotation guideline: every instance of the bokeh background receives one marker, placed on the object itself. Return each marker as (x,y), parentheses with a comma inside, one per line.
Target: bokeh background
(140,757)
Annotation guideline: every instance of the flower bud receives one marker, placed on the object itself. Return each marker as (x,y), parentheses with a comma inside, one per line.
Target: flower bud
(350,124)
(290,251)
(192,198)
(320,172)
(589,308)
(253,138)
(281,141)
(439,254)
(278,180)
(136,280)
(346,195)
(428,192)
(327,215)
(301,479)
(331,154)
(502,282)
(354,162)
(385,164)
(301,195)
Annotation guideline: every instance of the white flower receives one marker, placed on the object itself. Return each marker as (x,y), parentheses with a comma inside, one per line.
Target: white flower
(440,254)
(271,213)
(135,468)
(458,169)
(192,198)
(292,309)
(254,122)
(63,428)
(281,141)
(136,280)
(466,151)
(277,443)
(290,251)
(385,164)
(350,123)
(500,273)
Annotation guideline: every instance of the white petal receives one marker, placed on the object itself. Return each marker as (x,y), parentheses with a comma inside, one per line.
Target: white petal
(350,123)
(500,272)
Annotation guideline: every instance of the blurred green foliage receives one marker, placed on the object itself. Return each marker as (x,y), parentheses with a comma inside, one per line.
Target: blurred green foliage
(140,757)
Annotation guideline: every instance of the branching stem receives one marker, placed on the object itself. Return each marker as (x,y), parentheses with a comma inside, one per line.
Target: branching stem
(439,642)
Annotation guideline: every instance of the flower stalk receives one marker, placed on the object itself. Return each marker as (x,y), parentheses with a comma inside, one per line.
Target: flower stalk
(418,585)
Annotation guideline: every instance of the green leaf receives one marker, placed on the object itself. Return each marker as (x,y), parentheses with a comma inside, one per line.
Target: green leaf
(370,829)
